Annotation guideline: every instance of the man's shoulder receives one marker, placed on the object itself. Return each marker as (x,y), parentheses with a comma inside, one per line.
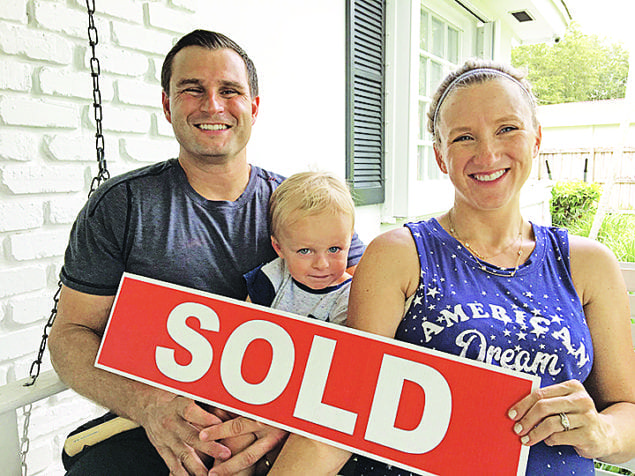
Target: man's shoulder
(146,171)
(268,176)
(133,178)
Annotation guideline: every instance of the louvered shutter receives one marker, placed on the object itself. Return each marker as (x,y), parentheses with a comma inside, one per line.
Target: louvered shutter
(365,100)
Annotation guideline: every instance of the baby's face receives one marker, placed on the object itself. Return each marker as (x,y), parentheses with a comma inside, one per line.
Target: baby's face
(315,248)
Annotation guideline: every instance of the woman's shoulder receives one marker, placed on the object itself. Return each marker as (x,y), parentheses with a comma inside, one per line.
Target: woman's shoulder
(392,256)
(594,267)
(589,251)
(392,241)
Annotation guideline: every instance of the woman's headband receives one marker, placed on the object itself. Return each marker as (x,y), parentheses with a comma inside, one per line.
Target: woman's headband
(474,72)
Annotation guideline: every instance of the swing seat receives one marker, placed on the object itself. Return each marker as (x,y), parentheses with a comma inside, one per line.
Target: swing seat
(13,396)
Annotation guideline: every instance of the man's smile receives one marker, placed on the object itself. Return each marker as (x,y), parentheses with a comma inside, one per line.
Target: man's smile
(212,127)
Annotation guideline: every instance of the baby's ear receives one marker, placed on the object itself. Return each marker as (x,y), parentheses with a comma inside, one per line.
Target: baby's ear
(276,246)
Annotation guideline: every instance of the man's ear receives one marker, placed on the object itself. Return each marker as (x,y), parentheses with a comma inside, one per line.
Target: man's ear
(165,101)
(255,107)
(276,246)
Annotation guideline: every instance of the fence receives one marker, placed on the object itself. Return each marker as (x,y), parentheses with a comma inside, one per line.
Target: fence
(591,165)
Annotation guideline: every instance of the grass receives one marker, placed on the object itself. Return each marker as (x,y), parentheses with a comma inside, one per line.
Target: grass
(617,232)
(613,469)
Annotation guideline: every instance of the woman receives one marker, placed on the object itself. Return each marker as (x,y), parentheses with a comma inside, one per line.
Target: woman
(560,300)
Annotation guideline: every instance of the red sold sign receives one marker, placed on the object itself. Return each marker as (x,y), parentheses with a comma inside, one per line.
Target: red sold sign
(425,411)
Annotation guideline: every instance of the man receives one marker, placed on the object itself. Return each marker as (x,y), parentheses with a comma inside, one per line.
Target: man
(198,221)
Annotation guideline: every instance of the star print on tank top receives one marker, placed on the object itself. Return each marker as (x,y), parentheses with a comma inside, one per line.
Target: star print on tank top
(532,322)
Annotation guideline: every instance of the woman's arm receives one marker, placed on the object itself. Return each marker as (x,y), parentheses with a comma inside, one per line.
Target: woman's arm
(386,276)
(602,413)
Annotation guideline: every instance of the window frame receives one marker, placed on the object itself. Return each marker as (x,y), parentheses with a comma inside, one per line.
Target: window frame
(407,196)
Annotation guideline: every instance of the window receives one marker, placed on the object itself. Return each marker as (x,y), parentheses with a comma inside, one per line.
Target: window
(439,52)
(426,40)
(365,100)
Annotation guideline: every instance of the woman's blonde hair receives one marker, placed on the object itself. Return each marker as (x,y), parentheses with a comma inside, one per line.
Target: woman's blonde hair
(476,71)
(308,193)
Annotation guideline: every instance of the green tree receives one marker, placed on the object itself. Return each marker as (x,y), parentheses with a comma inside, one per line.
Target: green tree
(579,67)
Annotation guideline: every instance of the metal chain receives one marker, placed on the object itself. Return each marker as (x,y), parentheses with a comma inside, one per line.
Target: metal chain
(102,175)
(34,372)
(25,442)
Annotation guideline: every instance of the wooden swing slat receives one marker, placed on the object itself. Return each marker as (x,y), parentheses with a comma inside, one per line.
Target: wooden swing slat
(15,395)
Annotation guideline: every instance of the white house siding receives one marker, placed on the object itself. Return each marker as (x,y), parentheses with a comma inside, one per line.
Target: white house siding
(574,132)
(583,125)
(47,145)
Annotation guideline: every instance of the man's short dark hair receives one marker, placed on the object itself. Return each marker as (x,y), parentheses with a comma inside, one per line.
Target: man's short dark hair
(213,41)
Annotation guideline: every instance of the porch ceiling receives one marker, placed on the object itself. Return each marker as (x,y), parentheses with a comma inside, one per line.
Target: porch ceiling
(531,21)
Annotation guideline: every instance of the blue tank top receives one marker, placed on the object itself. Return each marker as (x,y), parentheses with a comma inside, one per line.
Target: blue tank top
(532,322)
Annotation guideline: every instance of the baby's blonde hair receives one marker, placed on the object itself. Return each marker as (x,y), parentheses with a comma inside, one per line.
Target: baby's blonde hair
(308,193)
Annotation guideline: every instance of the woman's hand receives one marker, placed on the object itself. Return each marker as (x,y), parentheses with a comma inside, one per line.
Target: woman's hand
(562,414)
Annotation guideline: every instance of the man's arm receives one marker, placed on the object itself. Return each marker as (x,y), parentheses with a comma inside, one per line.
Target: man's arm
(171,422)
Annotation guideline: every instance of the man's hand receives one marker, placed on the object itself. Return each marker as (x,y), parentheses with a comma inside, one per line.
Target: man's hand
(267,439)
(173,425)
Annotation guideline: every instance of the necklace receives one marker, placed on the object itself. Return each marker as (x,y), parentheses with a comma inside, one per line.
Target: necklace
(480,259)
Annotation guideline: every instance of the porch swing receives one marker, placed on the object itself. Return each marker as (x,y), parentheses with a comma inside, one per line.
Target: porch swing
(23,393)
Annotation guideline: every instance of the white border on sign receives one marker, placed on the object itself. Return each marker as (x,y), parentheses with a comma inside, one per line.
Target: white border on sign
(535,380)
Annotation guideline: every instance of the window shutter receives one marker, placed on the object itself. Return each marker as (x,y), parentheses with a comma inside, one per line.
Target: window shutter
(365,100)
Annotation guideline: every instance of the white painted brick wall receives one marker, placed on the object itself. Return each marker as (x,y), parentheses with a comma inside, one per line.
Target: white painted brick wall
(20,111)
(134,37)
(15,76)
(32,245)
(20,179)
(17,280)
(140,150)
(114,59)
(20,215)
(65,147)
(63,210)
(167,18)
(66,83)
(47,160)
(131,11)
(18,147)
(138,93)
(57,17)
(20,40)
(14,10)
(29,308)
(16,343)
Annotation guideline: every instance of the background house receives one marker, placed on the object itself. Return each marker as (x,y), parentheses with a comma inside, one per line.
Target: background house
(344,87)
(587,141)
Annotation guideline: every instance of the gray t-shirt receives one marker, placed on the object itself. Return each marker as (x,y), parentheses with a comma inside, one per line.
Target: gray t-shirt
(272,285)
(151,222)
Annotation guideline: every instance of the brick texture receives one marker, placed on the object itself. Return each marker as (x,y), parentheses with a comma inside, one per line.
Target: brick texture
(31,112)
(47,160)
(19,147)
(20,215)
(14,10)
